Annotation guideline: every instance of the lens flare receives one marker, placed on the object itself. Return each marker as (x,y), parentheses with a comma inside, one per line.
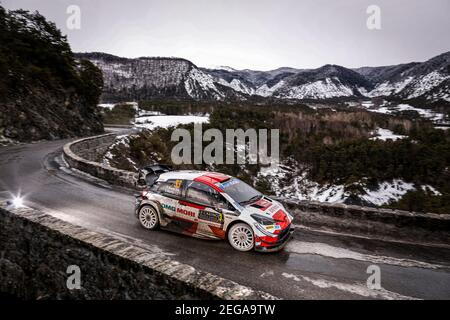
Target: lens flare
(17,202)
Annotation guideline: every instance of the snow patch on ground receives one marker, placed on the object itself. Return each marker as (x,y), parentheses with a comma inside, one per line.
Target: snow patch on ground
(112,105)
(145,113)
(424,113)
(352,104)
(4,141)
(386,134)
(301,187)
(106,105)
(123,140)
(387,191)
(430,189)
(134,104)
(152,122)
(367,104)
(267,274)
(290,182)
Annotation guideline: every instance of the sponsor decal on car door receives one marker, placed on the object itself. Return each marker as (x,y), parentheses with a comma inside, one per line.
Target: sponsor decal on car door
(187,217)
(211,222)
(187,211)
(169,206)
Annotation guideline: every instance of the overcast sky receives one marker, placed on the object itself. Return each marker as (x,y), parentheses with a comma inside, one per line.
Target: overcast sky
(256,34)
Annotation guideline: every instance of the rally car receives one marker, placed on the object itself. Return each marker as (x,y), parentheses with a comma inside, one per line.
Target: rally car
(211,205)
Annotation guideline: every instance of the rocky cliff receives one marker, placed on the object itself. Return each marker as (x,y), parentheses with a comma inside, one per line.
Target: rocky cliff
(45,93)
(149,78)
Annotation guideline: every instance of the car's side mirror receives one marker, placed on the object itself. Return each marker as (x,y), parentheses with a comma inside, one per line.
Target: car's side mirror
(141,183)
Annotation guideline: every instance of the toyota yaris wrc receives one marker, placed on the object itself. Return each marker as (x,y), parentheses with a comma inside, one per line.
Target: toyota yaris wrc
(211,205)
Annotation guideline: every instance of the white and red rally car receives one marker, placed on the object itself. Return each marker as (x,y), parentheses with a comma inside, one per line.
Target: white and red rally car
(211,205)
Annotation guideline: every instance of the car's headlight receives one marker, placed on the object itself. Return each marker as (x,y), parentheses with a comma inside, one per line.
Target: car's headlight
(265,221)
(290,216)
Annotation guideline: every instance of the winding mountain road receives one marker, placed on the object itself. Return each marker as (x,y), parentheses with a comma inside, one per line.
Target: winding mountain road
(314,265)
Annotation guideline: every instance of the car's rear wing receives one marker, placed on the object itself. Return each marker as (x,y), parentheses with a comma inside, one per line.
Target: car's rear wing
(149,174)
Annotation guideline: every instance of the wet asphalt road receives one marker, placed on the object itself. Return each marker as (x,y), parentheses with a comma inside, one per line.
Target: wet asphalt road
(314,265)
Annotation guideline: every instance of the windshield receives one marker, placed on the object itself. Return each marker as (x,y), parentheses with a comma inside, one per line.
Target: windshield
(240,191)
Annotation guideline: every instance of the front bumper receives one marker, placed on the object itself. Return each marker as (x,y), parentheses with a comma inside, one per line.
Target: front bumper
(265,246)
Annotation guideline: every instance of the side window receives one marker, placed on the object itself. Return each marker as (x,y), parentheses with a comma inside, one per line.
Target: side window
(201,193)
(171,188)
(223,203)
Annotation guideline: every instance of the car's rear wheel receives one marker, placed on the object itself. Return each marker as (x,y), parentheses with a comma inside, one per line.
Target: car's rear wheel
(241,237)
(148,217)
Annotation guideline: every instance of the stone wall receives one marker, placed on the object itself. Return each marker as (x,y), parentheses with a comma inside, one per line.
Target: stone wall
(424,228)
(92,148)
(83,154)
(36,250)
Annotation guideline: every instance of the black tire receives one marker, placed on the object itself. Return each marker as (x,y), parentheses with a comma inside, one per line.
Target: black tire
(241,237)
(148,217)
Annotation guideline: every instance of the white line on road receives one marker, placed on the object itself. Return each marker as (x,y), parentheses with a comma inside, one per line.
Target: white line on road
(326,250)
(355,288)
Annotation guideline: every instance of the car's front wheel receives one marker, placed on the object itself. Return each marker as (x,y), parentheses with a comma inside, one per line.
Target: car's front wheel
(241,237)
(148,217)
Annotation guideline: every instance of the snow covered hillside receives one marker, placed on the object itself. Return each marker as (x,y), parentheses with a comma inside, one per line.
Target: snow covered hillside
(156,77)
(429,80)
(291,181)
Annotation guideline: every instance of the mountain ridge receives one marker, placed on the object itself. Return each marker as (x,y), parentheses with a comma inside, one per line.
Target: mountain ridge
(158,77)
